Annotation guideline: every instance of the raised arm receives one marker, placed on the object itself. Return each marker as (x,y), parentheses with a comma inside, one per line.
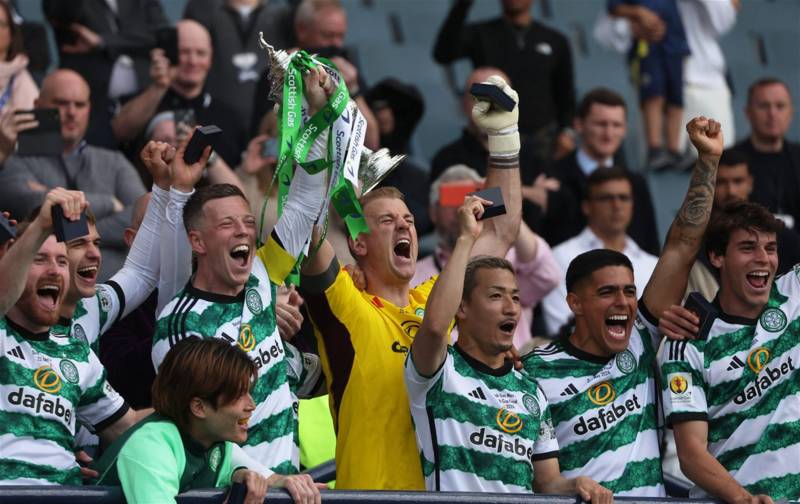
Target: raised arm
(16,262)
(134,115)
(430,344)
(175,250)
(454,39)
(668,282)
(501,127)
(139,275)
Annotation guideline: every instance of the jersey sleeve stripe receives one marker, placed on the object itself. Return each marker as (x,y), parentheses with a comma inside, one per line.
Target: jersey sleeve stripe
(686,417)
(315,284)
(645,313)
(113,418)
(120,296)
(187,310)
(435,445)
(545,456)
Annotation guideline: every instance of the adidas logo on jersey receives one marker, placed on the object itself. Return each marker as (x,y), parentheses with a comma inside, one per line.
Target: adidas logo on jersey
(39,403)
(501,444)
(765,379)
(16,352)
(266,355)
(605,418)
(570,390)
(735,363)
(478,394)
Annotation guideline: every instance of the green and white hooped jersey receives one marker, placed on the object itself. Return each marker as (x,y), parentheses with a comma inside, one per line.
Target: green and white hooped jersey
(284,373)
(95,315)
(92,317)
(478,429)
(47,381)
(605,411)
(743,379)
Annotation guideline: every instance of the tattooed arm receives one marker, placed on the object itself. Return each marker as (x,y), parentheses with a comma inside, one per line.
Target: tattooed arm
(668,281)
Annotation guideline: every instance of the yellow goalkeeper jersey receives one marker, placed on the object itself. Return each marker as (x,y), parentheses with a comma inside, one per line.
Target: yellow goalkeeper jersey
(363,347)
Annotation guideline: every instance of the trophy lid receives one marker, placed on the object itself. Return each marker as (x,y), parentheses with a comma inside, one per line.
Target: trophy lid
(278,60)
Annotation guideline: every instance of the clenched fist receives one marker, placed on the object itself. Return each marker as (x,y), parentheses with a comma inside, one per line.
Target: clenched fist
(706,136)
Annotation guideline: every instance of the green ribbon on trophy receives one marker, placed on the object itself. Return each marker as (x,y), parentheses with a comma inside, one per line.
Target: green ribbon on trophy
(296,140)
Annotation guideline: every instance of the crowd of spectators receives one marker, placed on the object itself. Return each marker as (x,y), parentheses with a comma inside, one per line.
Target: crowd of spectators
(370,320)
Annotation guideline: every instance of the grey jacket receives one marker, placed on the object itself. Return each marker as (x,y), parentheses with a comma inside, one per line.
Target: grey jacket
(100,173)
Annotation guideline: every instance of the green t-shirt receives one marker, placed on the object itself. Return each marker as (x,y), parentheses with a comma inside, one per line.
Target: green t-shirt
(153,462)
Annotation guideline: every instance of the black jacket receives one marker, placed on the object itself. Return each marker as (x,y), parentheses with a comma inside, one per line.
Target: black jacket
(643,227)
(536,58)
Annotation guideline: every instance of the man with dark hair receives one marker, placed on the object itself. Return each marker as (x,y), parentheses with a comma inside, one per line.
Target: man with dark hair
(735,184)
(466,395)
(363,336)
(231,295)
(601,125)
(536,268)
(600,378)
(774,160)
(608,208)
(49,379)
(731,394)
(203,405)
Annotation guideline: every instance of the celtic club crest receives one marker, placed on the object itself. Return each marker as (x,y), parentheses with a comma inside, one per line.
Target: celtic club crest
(773,320)
(532,405)
(626,362)
(79,333)
(253,300)
(69,371)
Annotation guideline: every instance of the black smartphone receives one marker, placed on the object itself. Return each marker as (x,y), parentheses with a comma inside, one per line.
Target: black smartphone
(201,138)
(45,139)
(65,229)
(705,312)
(493,94)
(7,231)
(495,195)
(167,40)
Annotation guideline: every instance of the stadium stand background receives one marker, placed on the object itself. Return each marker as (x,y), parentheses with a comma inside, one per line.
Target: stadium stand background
(395,38)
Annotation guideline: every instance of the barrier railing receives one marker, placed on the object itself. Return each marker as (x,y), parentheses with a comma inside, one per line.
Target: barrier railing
(108,495)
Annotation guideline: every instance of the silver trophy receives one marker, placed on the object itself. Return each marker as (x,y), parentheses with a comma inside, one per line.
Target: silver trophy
(374,166)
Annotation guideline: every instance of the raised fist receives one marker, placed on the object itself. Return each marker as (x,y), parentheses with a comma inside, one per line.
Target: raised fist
(706,136)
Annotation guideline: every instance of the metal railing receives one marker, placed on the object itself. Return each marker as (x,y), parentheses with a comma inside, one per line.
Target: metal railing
(107,495)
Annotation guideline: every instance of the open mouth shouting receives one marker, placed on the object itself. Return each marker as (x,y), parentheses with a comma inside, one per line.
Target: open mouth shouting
(240,255)
(758,279)
(507,327)
(402,248)
(48,293)
(617,326)
(87,274)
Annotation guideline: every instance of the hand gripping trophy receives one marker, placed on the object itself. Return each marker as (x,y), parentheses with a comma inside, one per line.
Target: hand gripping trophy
(353,169)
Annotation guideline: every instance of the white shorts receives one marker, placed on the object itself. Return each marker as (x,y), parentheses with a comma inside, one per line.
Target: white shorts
(714,103)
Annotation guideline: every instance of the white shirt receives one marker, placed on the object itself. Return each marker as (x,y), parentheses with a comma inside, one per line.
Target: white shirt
(554,305)
(704,22)
(589,165)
